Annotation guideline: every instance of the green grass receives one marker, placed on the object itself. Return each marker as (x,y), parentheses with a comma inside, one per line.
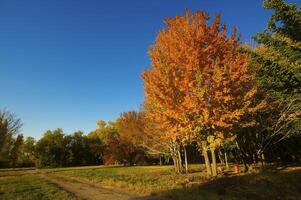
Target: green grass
(160,180)
(140,179)
(21,185)
(13,172)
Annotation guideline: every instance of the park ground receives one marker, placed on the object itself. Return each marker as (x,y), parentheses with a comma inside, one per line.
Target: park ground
(147,183)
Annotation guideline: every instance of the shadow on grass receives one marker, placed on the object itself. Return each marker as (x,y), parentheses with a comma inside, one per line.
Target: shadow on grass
(79,168)
(278,185)
(16,169)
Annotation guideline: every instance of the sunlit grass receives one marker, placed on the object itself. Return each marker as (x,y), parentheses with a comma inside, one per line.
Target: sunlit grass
(141,179)
(157,180)
(21,185)
(161,180)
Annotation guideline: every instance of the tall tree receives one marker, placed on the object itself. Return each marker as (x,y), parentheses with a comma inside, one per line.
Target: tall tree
(278,58)
(27,157)
(51,149)
(10,125)
(16,150)
(201,84)
(134,127)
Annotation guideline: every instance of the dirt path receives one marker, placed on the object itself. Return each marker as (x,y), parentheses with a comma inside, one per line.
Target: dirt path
(89,191)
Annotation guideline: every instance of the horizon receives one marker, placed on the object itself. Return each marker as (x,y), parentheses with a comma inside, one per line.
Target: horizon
(69,64)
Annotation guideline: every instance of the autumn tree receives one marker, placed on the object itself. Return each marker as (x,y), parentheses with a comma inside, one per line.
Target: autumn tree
(131,126)
(200,84)
(104,130)
(134,127)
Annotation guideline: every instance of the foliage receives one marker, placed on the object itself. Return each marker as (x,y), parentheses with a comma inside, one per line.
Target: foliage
(279,53)
(57,149)
(27,156)
(278,61)
(201,86)
(10,125)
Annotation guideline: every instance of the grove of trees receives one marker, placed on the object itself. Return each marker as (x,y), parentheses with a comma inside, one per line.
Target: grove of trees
(208,97)
(207,87)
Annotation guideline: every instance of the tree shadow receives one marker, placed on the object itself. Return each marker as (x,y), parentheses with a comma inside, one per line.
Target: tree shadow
(279,183)
(15,169)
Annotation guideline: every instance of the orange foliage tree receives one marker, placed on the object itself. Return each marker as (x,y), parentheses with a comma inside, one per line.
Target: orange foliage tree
(134,127)
(200,85)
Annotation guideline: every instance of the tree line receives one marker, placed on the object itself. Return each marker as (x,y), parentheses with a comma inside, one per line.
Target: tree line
(206,94)
(57,149)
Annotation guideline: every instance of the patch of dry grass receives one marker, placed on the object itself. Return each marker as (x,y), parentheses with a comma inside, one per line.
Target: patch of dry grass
(162,181)
(21,185)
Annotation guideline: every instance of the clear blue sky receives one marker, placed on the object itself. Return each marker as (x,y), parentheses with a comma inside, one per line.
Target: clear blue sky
(69,63)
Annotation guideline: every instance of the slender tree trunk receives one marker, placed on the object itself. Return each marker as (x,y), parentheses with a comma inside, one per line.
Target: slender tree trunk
(166,159)
(262,160)
(226,160)
(186,161)
(242,157)
(175,162)
(174,157)
(220,157)
(180,159)
(160,160)
(207,162)
(214,166)
(246,166)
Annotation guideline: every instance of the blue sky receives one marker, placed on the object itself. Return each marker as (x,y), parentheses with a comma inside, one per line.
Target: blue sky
(67,63)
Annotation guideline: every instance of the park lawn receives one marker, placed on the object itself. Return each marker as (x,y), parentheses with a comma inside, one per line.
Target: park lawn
(21,185)
(138,179)
(162,181)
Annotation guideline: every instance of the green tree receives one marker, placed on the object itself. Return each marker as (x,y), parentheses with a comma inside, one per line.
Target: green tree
(10,125)
(278,59)
(279,51)
(50,149)
(16,150)
(104,130)
(82,150)
(27,153)
(96,148)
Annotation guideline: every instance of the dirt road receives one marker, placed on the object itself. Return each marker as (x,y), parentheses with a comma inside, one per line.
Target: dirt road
(87,190)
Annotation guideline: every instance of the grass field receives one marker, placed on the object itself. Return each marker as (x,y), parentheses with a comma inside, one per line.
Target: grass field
(140,179)
(160,180)
(21,185)
(279,184)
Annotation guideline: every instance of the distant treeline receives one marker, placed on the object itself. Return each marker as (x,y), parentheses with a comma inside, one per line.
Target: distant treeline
(105,145)
(56,149)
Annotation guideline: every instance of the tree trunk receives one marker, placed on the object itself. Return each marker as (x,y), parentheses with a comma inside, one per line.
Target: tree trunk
(174,157)
(207,162)
(186,162)
(246,166)
(180,160)
(262,160)
(214,166)
(160,160)
(220,157)
(226,161)
(175,162)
